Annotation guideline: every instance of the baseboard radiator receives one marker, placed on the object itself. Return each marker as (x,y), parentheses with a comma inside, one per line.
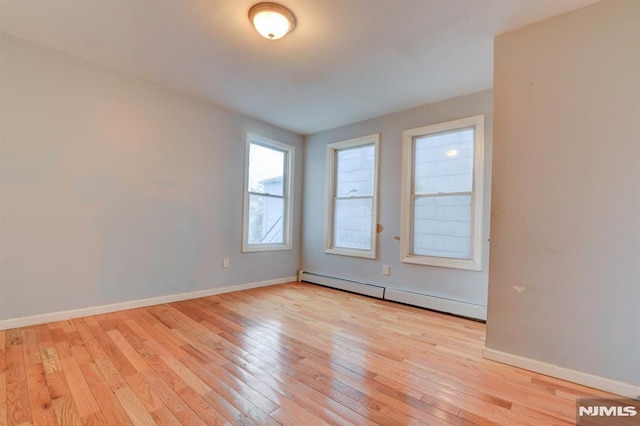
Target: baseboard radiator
(440,304)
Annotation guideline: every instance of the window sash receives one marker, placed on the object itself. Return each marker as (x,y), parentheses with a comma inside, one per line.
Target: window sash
(336,243)
(269,226)
(360,197)
(369,186)
(285,159)
(266,194)
(441,194)
(331,244)
(414,148)
(409,195)
(449,236)
(287,191)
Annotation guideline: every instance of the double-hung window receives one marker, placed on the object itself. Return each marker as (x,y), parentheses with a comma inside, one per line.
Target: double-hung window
(267,195)
(442,194)
(351,205)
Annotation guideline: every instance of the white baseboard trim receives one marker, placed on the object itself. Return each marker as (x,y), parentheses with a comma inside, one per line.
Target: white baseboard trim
(602,383)
(341,284)
(437,303)
(140,303)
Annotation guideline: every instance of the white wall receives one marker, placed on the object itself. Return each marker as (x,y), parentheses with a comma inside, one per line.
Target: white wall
(566,198)
(464,286)
(114,189)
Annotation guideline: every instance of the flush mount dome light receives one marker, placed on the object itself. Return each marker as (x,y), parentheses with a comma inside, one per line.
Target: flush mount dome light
(271,20)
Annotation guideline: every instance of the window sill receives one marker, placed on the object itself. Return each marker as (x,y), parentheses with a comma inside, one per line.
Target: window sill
(366,254)
(444,262)
(251,248)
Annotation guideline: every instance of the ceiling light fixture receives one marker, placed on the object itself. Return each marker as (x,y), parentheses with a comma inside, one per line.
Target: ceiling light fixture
(451,153)
(271,20)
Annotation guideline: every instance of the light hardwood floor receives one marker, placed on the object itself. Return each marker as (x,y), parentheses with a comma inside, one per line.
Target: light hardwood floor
(293,354)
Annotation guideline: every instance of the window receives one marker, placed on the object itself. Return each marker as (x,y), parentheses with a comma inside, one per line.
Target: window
(442,194)
(350,218)
(267,196)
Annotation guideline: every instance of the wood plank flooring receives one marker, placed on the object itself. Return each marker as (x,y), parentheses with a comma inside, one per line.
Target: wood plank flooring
(293,354)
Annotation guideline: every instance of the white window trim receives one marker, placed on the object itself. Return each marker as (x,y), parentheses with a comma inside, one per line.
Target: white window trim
(406,242)
(288,191)
(374,140)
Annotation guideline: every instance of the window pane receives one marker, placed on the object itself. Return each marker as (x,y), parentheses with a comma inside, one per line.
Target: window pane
(266,170)
(444,162)
(352,224)
(442,226)
(355,171)
(266,220)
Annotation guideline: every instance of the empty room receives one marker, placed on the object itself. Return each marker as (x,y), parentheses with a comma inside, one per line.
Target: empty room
(393,212)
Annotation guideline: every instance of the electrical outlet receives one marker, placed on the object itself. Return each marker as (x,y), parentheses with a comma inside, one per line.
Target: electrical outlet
(225,262)
(386,270)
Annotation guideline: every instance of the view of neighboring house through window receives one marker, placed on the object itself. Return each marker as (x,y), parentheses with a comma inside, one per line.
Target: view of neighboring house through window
(352,197)
(267,200)
(442,194)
